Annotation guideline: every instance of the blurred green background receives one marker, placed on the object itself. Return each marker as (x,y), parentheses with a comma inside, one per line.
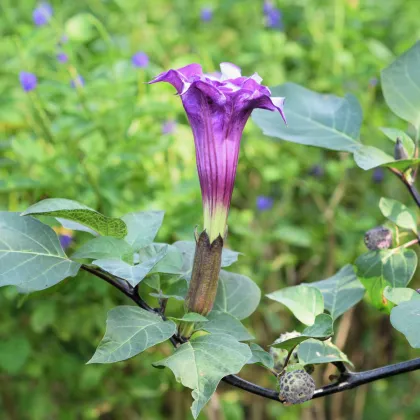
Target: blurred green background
(117,144)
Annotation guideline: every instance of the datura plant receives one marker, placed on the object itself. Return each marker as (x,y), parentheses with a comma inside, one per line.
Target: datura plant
(209,341)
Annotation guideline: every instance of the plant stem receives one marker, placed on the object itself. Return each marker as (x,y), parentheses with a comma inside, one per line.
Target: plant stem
(347,380)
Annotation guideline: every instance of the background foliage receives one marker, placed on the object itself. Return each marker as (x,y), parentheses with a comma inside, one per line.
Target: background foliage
(106,144)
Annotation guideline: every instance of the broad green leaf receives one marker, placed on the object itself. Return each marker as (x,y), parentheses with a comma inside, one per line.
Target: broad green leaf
(134,274)
(401,86)
(260,356)
(321,329)
(314,119)
(397,295)
(378,269)
(341,291)
(201,363)
(369,157)
(312,352)
(406,319)
(237,295)
(129,331)
(393,133)
(142,227)
(191,317)
(76,212)
(69,224)
(104,247)
(305,302)
(171,263)
(224,323)
(398,213)
(31,257)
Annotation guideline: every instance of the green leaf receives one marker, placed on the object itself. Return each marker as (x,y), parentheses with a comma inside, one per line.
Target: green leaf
(313,352)
(398,213)
(72,210)
(14,352)
(401,86)
(260,356)
(314,119)
(321,329)
(237,295)
(393,133)
(31,255)
(134,274)
(305,302)
(369,157)
(142,227)
(104,247)
(406,319)
(201,363)
(224,323)
(129,331)
(171,263)
(191,317)
(341,291)
(69,224)
(397,295)
(378,269)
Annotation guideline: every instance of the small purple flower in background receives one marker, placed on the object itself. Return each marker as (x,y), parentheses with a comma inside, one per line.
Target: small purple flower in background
(273,16)
(65,236)
(42,14)
(317,171)
(28,81)
(168,127)
(206,14)
(218,109)
(373,82)
(62,57)
(140,59)
(79,81)
(378,175)
(65,241)
(264,203)
(63,39)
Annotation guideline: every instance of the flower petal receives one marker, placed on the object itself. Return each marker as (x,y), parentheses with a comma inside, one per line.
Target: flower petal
(272,104)
(229,71)
(191,70)
(256,77)
(179,78)
(210,91)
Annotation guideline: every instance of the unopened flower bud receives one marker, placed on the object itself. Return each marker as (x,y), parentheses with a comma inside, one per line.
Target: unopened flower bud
(378,238)
(296,387)
(399,150)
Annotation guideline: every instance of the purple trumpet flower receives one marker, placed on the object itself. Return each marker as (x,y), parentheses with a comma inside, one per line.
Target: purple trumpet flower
(218,109)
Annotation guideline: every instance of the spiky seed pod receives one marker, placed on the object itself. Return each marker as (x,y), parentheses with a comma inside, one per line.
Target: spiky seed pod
(296,387)
(378,238)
